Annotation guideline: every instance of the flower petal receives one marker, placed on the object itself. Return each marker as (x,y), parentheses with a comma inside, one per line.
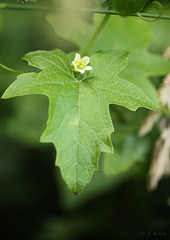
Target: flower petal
(80,70)
(85,60)
(88,68)
(74,65)
(77,58)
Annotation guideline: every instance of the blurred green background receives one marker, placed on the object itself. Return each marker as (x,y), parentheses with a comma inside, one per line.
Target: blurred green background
(35,203)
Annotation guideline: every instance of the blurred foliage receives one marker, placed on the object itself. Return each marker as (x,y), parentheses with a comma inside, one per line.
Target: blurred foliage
(34,202)
(126,7)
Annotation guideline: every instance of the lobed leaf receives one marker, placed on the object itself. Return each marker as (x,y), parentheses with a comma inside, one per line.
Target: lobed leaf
(79,123)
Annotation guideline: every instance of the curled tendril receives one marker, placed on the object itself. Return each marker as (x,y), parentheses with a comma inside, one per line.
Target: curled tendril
(156,4)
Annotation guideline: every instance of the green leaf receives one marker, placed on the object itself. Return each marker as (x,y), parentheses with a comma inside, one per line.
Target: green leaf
(161,33)
(131,34)
(79,123)
(126,7)
(130,151)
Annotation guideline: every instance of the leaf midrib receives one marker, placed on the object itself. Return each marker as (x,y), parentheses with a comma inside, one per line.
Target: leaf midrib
(78,128)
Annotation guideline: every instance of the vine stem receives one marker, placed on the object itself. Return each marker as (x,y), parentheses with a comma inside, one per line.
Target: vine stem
(98,30)
(5,6)
(96,34)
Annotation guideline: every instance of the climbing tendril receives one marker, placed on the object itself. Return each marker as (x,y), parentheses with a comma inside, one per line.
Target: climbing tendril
(156,4)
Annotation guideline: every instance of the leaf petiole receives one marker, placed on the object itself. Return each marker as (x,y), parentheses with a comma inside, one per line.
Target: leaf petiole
(10,69)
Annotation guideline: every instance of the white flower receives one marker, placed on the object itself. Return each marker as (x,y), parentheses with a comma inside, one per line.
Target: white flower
(80,64)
